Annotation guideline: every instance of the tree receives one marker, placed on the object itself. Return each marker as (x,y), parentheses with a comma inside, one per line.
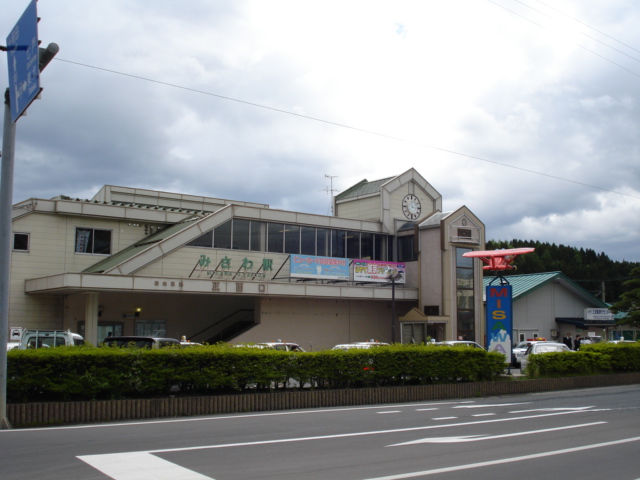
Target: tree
(630,301)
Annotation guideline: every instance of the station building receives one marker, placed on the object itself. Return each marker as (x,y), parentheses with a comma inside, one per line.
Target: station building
(387,265)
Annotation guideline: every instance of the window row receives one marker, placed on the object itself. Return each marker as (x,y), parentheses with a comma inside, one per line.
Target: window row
(87,240)
(253,235)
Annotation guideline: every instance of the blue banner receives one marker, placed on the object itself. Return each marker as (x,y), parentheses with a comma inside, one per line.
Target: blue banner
(325,268)
(499,319)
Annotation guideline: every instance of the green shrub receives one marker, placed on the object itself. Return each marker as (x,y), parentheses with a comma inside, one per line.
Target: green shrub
(81,373)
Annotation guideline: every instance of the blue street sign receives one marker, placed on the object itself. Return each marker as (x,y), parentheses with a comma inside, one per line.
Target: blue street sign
(23,58)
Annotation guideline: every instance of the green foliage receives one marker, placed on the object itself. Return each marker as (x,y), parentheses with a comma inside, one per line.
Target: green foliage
(585,267)
(629,302)
(85,373)
(598,358)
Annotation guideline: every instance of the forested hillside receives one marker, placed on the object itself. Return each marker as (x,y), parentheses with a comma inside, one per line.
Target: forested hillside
(585,267)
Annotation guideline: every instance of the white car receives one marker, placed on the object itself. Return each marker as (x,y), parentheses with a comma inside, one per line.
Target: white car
(542,347)
(349,346)
(286,346)
(519,350)
(459,343)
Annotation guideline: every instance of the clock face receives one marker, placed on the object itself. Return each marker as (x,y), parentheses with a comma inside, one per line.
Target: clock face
(411,207)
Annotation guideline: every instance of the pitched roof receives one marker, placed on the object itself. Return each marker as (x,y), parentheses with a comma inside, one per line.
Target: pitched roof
(522,285)
(363,187)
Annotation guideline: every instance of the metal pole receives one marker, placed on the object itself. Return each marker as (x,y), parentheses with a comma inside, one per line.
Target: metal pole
(393,309)
(6,199)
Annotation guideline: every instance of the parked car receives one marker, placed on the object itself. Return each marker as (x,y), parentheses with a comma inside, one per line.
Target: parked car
(12,345)
(349,346)
(137,341)
(541,347)
(519,350)
(48,338)
(286,346)
(459,343)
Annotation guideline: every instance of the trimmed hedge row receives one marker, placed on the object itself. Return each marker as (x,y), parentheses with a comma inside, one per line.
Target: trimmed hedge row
(598,358)
(89,373)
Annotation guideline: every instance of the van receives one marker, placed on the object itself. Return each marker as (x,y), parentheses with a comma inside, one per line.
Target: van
(31,339)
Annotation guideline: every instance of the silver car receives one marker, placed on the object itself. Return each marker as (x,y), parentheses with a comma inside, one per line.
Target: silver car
(541,347)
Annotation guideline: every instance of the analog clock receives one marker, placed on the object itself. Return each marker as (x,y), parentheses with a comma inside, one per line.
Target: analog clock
(411,207)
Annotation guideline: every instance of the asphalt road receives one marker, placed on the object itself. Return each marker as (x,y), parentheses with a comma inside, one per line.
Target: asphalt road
(577,434)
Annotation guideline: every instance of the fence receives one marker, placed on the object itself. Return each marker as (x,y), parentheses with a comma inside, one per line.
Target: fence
(60,413)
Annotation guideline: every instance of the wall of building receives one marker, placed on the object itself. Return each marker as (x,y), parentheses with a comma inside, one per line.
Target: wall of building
(52,251)
(318,324)
(367,208)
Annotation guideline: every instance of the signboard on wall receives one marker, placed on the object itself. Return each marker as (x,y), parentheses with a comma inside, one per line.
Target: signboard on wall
(598,314)
(323,268)
(499,319)
(377,271)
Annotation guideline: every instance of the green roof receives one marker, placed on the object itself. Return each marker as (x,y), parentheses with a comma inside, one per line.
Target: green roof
(363,187)
(522,285)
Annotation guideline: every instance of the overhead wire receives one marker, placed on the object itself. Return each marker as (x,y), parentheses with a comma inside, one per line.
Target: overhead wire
(350,127)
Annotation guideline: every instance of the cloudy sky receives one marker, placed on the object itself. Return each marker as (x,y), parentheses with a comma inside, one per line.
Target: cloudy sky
(527,112)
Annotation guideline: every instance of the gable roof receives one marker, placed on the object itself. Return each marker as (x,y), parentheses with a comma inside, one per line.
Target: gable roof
(523,285)
(362,188)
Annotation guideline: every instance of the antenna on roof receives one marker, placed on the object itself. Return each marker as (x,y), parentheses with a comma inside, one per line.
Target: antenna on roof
(329,190)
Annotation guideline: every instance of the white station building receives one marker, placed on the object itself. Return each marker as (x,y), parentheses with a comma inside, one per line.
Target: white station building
(387,266)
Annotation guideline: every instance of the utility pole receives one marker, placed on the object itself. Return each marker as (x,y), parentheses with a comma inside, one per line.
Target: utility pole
(26,60)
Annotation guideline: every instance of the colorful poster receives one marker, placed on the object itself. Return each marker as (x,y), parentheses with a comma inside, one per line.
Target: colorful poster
(499,319)
(377,271)
(324,268)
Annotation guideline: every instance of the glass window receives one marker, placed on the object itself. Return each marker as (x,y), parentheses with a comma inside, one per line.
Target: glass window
(151,328)
(222,235)
(92,240)
(241,229)
(353,244)
(414,333)
(405,249)
(366,246)
(204,240)
(464,277)
(465,295)
(292,239)
(308,241)
(21,242)
(275,237)
(322,242)
(338,243)
(257,236)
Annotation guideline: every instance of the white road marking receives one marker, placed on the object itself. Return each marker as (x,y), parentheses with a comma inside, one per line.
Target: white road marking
(139,466)
(425,409)
(444,418)
(117,463)
(391,411)
(491,405)
(483,414)
(475,438)
(505,460)
(559,409)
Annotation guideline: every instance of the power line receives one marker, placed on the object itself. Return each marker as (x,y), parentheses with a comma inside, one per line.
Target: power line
(342,125)
(576,44)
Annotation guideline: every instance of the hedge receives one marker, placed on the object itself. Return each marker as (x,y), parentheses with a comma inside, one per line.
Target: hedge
(597,358)
(103,373)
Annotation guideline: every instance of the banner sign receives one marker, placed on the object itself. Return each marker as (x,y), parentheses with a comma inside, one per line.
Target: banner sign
(324,268)
(500,319)
(377,271)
